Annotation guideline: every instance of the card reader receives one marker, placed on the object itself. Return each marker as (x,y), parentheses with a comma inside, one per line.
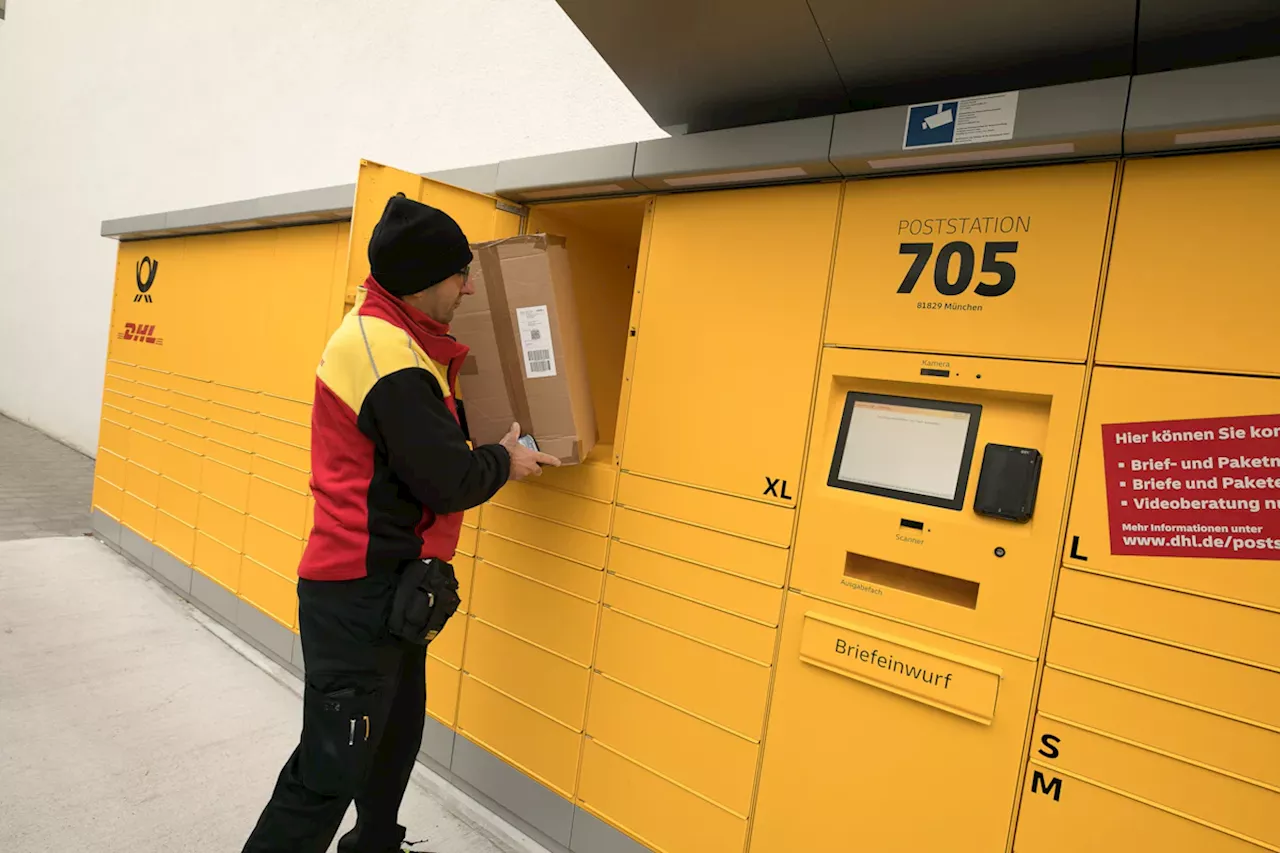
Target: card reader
(1008,482)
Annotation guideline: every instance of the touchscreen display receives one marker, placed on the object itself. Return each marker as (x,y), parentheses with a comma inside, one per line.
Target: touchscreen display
(901,447)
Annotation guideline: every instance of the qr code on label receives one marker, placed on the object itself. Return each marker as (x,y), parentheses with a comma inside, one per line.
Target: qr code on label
(535,334)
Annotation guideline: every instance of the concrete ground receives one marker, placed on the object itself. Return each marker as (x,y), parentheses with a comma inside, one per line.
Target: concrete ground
(133,722)
(45,486)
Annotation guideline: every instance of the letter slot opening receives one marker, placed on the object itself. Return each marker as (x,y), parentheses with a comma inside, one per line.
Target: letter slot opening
(945,588)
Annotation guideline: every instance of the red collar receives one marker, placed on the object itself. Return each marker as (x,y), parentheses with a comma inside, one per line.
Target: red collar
(432,336)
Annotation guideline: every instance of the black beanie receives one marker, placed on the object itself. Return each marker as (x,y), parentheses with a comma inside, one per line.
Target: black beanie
(415,246)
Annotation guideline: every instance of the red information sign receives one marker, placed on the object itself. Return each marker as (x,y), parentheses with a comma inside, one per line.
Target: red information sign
(1196,488)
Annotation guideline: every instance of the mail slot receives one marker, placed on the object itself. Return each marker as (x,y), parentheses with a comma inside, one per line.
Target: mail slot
(883,736)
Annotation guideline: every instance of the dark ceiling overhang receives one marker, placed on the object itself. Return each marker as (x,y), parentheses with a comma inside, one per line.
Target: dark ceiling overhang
(710,64)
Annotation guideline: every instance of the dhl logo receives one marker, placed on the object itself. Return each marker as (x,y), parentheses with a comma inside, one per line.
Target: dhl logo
(142,334)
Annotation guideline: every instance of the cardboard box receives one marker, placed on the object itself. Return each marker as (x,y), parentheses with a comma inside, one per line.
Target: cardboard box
(527,362)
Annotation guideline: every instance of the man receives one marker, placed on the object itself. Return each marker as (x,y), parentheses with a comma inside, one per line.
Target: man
(392,473)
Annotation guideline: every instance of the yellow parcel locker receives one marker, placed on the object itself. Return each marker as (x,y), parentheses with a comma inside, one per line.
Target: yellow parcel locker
(890,521)
(1003,263)
(1191,282)
(1136,408)
(885,737)
(730,327)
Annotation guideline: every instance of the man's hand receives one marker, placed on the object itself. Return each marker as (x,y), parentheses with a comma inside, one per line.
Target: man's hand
(525,462)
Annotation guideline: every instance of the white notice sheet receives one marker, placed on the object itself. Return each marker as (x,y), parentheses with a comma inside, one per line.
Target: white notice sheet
(905,448)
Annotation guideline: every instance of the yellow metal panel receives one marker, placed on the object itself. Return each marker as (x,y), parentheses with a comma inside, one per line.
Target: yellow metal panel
(471,518)
(579,545)
(734,293)
(447,646)
(189,442)
(574,578)
(557,506)
(297,308)
(108,497)
(530,741)
(285,454)
(118,384)
(1187,287)
(748,598)
(297,434)
(1241,633)
(232,457)
(220,429)
(591,479)
(109,466)
(1094,817)
(149,410)
(178,500)
(1246,692)
(464,569)
(443,682)
(142,483)
(179,463)
(291,478)
(658,813)
(225,484)
(273,548)
(1120,396)
(538,613)
(974,576)
(467,541)
(716,685)
(217,562)
(731,554)
(114,436)
(278,506)
(186,420)
(1198,792)
(834,741)
(294,411)
(175,536)
(1000,263)
(1211,739)
(749,519)
(269,592)
(146,451)
(222,522)
(550,684)
(713,762)
(692,619)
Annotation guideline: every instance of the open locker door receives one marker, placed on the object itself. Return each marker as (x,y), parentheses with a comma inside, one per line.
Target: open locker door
(482,217)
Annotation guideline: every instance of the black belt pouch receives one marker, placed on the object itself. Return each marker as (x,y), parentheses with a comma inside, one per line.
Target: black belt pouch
(426,596)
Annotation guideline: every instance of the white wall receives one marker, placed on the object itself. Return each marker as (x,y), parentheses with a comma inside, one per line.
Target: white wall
(113,109)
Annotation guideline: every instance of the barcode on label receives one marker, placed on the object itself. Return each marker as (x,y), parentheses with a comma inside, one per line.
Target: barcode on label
(538,355)
(536,368)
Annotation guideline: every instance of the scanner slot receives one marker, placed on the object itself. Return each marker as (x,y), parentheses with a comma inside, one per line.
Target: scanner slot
(939,587)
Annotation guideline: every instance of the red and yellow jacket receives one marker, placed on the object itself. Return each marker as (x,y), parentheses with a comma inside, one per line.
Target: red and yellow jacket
(391,469)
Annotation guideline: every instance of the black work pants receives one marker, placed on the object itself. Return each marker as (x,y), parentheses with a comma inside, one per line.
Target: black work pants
(362,714)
